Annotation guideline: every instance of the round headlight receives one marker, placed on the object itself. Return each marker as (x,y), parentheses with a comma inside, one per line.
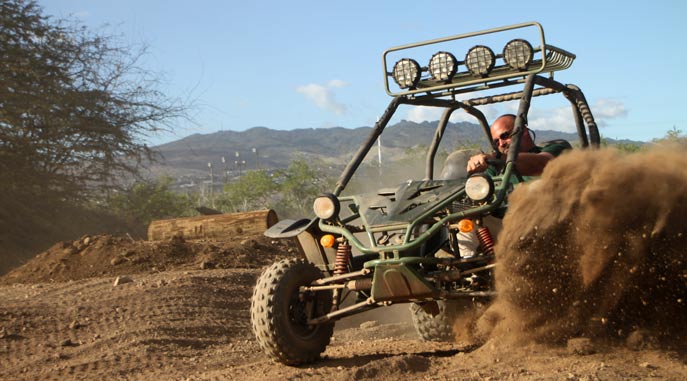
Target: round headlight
(443,66)
(406,73)
(480,60)
(326,206)
(479,187)
(518,54)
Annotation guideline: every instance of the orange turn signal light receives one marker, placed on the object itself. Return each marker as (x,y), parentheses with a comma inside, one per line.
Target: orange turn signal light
(466,226)
(327,240)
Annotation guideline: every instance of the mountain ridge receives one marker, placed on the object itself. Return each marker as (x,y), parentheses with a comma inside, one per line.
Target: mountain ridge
(264,148)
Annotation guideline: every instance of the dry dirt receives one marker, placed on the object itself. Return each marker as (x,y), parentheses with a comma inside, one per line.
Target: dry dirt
(109,307)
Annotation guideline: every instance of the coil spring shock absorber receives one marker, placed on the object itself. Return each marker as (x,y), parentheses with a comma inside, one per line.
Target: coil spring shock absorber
(485,240)
(343,256)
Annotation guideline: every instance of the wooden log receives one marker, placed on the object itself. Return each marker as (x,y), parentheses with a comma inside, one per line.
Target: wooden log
(219,226)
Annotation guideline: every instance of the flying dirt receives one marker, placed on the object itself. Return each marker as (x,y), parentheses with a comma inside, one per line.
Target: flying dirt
(596,251)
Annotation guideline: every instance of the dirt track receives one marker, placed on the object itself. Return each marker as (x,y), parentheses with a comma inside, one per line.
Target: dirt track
(194,325)
(181,312)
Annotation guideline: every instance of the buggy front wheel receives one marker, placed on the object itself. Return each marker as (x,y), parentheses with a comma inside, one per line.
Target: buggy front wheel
(280,312)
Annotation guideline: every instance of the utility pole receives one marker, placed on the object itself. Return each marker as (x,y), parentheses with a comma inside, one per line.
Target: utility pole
(212,180)
(379,155)
(226,170)
(238,162)
(257,161)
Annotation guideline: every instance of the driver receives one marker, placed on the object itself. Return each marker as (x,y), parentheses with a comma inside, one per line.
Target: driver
(531,159)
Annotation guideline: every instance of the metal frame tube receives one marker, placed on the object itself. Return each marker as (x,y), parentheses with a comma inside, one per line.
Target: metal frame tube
(365,148)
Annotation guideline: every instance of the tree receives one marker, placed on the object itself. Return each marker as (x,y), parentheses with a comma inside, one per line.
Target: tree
(673,138)
(253,190)
(673,134)
(625,147)
(628,147)
(74,107)
(300,184)
(145,201)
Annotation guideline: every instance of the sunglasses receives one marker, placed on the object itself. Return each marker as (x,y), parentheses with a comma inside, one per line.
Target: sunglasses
(503,136)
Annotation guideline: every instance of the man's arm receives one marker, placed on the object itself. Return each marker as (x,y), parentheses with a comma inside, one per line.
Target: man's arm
(529,164)
(532,164)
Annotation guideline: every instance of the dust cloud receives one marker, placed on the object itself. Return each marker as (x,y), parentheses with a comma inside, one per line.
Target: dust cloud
(596,248)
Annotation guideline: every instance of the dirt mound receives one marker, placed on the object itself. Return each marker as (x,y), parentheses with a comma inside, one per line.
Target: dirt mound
(30,225)
(596,248)
(107,255)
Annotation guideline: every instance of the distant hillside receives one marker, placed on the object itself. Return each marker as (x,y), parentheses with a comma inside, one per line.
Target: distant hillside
(189,157)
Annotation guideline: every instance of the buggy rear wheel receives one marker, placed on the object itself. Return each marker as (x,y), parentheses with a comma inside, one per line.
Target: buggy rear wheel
(436,320)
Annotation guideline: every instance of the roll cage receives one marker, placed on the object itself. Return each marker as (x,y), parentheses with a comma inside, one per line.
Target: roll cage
(435,93)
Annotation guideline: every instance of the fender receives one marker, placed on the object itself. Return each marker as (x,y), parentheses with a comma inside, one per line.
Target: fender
(288,228)
(308,234)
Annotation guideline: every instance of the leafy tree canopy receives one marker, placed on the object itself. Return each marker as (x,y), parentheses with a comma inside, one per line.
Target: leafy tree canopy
(253,190)
(74,106)
(146,201)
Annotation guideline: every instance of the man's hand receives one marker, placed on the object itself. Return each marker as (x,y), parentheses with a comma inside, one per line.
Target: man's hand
(529,164)
(478,163)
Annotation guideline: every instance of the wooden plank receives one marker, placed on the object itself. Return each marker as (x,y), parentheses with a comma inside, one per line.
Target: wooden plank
(227,225)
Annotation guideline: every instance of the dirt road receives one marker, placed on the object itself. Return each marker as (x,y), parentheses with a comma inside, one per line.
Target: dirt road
(194,325)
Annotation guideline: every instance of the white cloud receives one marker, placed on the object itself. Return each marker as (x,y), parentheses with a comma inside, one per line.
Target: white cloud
(82,14)
(561,118)
(421,114)
(556,119)
(608,109)
(337,83)
(323,95)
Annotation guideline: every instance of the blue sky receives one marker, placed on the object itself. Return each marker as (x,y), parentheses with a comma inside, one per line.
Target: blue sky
(314,64)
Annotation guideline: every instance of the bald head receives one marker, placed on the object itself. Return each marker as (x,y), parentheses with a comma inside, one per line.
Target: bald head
(501,131)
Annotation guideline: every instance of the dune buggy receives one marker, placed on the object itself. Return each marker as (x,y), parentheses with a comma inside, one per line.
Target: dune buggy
(404,244)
